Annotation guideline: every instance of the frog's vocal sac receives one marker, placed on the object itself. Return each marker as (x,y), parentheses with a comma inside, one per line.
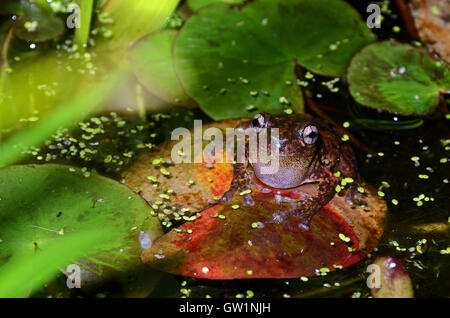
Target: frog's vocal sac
(309,151)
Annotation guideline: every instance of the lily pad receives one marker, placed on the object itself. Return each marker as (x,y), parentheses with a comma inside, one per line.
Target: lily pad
(38,24)
(41,204)
(220,234)
(32,30)
(151,61)
(229,241)
(398,78)
(237,61)
(146,16)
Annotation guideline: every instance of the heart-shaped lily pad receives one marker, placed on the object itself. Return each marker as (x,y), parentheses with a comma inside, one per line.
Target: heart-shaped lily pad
(151,60)
(41,204)
(218,238)
(237,61)
(398,78)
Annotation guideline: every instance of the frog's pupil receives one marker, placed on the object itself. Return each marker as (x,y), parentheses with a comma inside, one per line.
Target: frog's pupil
(255,122)
(312,135)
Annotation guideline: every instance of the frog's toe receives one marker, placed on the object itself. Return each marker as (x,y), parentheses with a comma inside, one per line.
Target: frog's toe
(227,196)
(248,200)
(304,226)
(279,217)
(356,199)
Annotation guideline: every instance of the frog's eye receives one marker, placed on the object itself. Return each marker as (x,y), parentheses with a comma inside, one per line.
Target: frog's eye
(259,121)
(310,134)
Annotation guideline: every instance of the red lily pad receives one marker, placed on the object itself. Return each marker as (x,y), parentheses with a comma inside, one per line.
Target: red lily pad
(229,243)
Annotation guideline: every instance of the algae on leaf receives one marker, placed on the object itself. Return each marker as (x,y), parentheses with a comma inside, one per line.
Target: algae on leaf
(398,78)
(237,61)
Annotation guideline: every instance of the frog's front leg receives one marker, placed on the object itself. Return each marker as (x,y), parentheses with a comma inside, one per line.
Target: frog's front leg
(240,183)
(308,207)
(241,178)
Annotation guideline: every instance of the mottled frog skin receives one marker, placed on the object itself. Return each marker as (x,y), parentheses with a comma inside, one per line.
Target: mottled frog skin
(309,151)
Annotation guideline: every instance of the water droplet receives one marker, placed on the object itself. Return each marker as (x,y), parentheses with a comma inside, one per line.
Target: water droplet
(145,240)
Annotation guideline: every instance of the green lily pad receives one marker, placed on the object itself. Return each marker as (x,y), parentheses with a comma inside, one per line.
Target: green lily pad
(38,24)
(151,61)
(146,16)
(42,204)
(39,30)
(398,78)
(198,4)
(237,61)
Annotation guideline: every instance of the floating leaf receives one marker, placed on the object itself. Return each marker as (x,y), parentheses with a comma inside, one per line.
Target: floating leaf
(38,24)
(147,17)
(398,78)
(198,4)
(230,240)
(41,204)
(236,61)
(151,60)
(392,279)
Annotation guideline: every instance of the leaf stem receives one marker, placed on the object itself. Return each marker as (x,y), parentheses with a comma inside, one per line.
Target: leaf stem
(82,33)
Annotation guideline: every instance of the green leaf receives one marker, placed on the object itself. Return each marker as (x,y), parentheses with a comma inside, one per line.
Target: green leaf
(133,20)
(398,78)
(221,48)
(151,60)
(25,274)
(38,23)
(198,4)
(40,205)
(82,33)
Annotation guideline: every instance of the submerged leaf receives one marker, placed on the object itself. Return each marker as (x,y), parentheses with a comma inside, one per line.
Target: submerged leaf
(38,23)
(398,78)
(44,28)
(392,279)
(237,61)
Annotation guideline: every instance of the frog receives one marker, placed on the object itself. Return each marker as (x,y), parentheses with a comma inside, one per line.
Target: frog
(309,151)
